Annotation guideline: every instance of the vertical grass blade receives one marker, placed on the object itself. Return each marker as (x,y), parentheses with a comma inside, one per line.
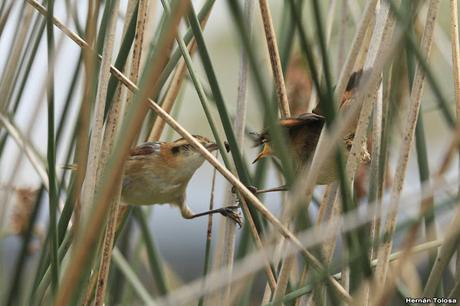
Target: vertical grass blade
(51,151)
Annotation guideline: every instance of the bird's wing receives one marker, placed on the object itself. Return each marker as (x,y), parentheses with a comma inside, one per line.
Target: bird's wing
(302,119)
(146,148)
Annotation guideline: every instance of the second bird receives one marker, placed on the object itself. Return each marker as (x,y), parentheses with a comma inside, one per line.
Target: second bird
(304,131)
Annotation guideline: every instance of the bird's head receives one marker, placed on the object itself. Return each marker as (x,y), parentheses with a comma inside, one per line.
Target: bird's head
(187,154)
(262,139)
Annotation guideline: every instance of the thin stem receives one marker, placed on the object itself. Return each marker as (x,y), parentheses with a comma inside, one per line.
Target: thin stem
(456,72)
(207,255)
(109,236)
(274,58)
(229,234)
(51,152)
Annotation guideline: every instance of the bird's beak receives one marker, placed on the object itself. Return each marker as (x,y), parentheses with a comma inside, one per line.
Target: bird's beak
(212,147)
(264,153)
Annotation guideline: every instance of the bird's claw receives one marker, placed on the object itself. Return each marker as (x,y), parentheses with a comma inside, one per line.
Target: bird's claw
(229,212)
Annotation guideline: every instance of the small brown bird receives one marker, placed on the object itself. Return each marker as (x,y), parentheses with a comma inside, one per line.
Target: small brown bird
(303,132)
(159,172)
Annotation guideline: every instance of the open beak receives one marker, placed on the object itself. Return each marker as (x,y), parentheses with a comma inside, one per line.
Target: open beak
(211,147)
(264,153)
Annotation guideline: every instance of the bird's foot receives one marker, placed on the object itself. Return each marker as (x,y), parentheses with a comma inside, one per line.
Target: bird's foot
(232,213)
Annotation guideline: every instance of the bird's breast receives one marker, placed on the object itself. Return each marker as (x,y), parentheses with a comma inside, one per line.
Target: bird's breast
(147,185)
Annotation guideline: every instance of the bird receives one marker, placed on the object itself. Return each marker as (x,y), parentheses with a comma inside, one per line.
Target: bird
(159,173)
(303,132)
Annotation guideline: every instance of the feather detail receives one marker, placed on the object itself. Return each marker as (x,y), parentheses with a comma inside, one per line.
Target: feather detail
(146,148)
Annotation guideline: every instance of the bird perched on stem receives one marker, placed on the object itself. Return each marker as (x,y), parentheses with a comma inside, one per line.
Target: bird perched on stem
(159,172)
(303,132)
